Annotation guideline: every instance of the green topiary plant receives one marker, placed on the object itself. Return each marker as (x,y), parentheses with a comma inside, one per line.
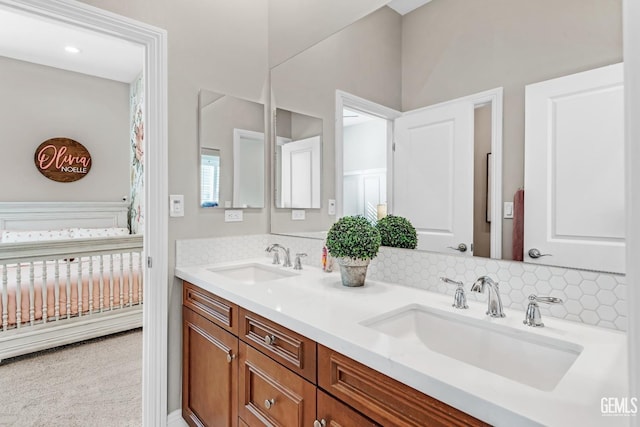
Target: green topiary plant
(397,232)
(353,237)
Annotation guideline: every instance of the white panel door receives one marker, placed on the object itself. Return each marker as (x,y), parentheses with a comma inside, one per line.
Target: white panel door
(301,173)
(433,174)
(574,170)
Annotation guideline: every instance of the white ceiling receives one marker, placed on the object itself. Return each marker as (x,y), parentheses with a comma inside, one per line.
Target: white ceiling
(37,40)
(405,6)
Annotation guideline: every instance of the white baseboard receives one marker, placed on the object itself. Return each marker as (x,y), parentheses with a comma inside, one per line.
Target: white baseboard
(174,419)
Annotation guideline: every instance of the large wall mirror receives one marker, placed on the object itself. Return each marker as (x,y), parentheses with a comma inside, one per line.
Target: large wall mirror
(231,151)
(390,65)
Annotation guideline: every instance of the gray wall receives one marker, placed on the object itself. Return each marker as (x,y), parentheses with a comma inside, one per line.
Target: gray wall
(296,25)
(363,59)
(453,48)
(38,103)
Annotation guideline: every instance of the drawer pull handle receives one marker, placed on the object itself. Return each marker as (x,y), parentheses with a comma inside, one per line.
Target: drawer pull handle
(321,423)
(230,356)
(269,403)
(270,339)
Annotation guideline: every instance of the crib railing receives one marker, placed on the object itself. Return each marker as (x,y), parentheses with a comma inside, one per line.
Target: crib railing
(46,281)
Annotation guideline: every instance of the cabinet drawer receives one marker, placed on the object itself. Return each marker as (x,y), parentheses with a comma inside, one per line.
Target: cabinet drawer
(218,310)
(272,395)
(334,413)
(384,399)
(293,350)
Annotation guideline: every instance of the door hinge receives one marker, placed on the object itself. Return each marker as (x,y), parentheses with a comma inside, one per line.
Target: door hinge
(149,262)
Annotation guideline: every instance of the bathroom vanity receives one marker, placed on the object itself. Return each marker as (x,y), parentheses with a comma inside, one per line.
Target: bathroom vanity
(264,345)
(237,364)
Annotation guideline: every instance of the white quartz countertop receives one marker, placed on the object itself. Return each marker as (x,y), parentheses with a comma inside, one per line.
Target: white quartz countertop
(315,304)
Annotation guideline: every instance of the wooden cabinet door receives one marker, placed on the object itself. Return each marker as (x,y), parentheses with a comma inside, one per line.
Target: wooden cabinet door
(272,395)
(333,413)
(209,373)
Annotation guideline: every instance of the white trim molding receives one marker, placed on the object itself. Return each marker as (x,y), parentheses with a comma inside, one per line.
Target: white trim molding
(154,41)
(631,43)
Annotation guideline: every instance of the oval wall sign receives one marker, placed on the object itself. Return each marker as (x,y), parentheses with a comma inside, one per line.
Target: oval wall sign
(63,159)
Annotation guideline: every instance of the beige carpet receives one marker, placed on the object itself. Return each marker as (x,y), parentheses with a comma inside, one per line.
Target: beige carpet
(96,383)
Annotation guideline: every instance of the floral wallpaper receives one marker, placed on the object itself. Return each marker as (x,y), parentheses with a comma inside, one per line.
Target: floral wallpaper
(136,197)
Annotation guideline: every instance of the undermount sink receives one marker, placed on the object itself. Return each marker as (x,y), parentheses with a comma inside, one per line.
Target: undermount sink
(527,358)
(252,273)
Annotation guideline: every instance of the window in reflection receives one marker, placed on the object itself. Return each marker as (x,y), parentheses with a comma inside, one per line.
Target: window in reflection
(209,177)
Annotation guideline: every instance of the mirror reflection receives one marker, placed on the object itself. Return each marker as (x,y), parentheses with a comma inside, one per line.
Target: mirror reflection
(298,153)
(364,167)
(209,177)
(439,52)
(232,151)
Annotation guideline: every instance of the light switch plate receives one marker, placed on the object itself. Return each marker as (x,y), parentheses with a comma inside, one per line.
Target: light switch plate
(233,215)
(508,210)
(331,207)
(176,205)
(298,215)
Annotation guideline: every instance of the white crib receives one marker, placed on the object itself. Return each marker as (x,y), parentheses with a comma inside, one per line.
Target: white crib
(56,292)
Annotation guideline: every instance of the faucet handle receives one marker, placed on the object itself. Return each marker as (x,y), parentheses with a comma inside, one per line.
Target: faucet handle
(450,281)
(532,316)
(460,298)
(297,264)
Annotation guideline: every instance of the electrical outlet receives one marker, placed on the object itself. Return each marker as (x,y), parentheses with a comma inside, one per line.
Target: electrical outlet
(233,215)
(298,215)
(331,207)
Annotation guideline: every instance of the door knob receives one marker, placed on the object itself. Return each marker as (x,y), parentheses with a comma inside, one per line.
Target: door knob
(321,423)
(270,339)
(535,253)
(461,247)
(230,356)
(268,403)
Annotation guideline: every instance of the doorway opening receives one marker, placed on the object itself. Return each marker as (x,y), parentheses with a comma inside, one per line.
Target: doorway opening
(154,45)
(364,143)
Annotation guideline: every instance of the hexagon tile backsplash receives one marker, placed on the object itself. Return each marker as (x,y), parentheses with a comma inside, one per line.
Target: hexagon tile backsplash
(590,297)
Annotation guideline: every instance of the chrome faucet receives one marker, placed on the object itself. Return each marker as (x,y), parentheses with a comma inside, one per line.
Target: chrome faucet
(494,303)
(287,259)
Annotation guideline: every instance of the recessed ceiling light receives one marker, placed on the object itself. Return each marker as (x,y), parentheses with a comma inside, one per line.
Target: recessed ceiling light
(72,49)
